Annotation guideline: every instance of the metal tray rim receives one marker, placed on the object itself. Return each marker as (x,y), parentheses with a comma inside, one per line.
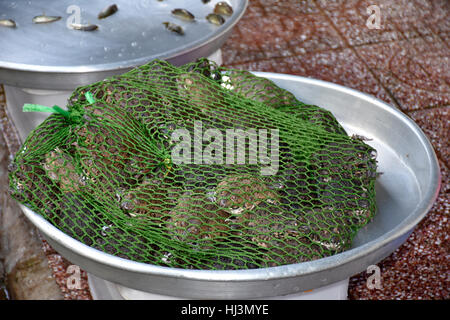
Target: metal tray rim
(272,273)
(12,66)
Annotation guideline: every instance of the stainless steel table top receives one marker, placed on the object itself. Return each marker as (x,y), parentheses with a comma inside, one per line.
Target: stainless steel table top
(53,56)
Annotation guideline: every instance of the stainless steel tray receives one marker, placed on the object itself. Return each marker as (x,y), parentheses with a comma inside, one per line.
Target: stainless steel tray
(52,56)
(405,192)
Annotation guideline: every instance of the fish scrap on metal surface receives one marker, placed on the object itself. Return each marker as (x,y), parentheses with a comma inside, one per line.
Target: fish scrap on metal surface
(45,19)
(183,14)
(9,23)
(108,11)
(84,27)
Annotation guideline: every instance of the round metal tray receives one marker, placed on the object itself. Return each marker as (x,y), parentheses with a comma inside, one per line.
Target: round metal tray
(53,56)
(405,192)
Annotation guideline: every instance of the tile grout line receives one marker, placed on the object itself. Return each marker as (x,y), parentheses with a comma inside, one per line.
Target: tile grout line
(403,38)
(397,104)
(429,107)
(423,38)
(292,49)
(438,36)
(346,45)
(442,39)
(420,36)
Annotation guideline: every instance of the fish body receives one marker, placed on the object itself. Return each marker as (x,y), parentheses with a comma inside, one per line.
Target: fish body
(183,14)
(60,168)
(174,28)
(8,23)
(215,19)
(45,19)
(223,8)
(194,218)
(240,193)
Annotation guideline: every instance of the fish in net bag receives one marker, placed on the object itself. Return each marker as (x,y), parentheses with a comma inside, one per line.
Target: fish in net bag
(170,166)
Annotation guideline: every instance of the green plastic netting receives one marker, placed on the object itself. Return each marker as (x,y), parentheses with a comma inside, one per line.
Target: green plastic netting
(104,172)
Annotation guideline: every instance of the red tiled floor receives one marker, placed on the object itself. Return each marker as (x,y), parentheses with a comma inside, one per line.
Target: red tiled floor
(422,17)
(257,31)
(269,34)
(287,7)
(350,18)
(312,33)
(400,19)
(446,38)
(336,7)
(414,72)
(278,36)
(442,29)
(436,125)
(433,56)
(256,39)
(345,68)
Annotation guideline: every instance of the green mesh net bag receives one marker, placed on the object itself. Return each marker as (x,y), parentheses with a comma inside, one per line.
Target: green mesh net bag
(122,170)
